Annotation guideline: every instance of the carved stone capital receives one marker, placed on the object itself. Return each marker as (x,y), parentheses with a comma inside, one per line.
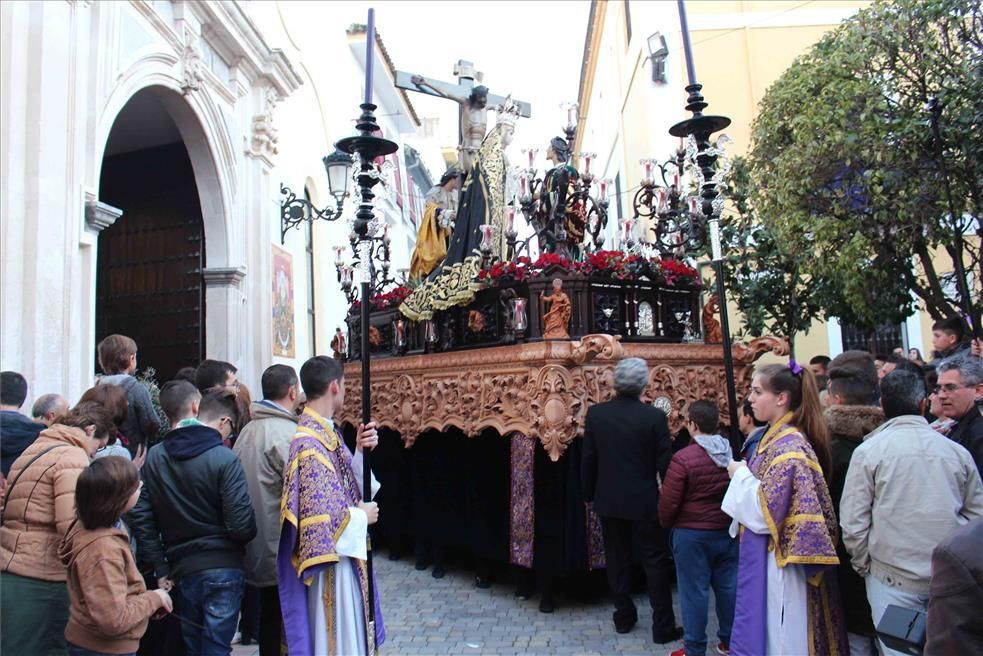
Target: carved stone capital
(99,215)
(224,276)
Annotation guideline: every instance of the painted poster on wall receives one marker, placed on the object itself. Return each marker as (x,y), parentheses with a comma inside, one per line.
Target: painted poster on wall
(283,303)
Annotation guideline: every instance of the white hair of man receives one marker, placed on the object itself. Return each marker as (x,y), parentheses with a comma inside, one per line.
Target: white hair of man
(48,403)
(631,376)
(970,369)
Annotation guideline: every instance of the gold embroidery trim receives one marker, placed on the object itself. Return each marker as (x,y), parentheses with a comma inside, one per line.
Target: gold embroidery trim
(804,518)
(315,519)
(329,612)
(309,453)
(341,527)
(316,560)
(795,455)
(330,446)
(777,431)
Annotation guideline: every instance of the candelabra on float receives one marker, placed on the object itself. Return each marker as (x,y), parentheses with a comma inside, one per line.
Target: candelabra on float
(572,199)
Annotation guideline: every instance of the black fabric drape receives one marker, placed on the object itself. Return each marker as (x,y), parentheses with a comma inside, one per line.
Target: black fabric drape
(561,517)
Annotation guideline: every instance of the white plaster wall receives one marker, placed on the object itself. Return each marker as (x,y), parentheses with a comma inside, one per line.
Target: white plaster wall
(67,70)
(310,121)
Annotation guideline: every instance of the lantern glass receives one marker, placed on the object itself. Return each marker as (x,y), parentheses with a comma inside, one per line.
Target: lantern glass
(519,314)
(337,166)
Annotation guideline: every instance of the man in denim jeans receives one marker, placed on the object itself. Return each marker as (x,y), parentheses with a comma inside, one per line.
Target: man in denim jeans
(706,555)
(194,518)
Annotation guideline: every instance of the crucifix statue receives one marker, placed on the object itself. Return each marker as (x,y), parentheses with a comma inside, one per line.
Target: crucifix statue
(473,101)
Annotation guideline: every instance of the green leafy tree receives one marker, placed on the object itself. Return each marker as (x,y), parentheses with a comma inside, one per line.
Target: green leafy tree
(762,272)
(850,181)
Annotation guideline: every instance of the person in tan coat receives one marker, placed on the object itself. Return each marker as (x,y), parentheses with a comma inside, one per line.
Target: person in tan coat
(39,507)
(110,604)
(263,448)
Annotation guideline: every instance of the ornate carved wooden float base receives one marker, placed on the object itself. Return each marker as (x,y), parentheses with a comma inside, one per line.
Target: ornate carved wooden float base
(507,499)
(540,389)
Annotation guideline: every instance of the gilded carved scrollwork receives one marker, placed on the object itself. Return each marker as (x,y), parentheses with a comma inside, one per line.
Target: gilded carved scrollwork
(542,389)
(555,408)
(747,352)
(603,347)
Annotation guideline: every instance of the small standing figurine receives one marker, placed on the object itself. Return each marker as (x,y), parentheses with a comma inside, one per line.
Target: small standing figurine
(557,320)
(339,345)
(711,327)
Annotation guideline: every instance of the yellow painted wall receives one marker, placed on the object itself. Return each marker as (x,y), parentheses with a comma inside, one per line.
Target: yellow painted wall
(736,65)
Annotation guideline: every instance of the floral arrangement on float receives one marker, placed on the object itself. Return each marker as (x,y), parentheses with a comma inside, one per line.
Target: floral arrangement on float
(385,300)
(611,264)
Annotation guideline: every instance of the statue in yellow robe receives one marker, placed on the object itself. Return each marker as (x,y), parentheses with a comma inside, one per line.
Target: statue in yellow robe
(435,228)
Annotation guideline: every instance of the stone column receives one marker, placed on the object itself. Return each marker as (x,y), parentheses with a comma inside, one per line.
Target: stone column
(224,314)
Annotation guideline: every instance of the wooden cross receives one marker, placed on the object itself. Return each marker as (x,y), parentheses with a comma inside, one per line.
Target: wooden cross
(465,83)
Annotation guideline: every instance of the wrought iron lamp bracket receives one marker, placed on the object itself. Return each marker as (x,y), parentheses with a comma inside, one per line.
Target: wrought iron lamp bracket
(294,211)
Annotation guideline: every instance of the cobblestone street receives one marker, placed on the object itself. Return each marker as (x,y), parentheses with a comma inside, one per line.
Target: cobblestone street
(427,616)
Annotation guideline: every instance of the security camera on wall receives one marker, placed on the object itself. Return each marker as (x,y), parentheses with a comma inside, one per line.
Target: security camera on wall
(658,53)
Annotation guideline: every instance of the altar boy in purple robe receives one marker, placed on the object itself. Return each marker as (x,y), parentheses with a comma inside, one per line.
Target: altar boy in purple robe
(323,541)
(787,601)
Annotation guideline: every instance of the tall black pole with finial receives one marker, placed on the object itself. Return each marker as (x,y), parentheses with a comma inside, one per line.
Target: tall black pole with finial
(367,147)
(701,126)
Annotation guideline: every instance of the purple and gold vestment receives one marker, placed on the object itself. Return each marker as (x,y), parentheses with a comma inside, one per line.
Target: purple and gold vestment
(319,488)
(802,531)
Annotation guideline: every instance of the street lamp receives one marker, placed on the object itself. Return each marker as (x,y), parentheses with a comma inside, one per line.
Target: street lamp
(294,211)
(658,51)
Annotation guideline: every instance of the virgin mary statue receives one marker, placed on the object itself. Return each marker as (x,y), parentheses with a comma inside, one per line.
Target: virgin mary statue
(483,202)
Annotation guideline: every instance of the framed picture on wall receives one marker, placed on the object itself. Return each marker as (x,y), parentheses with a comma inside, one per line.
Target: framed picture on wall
(283,303)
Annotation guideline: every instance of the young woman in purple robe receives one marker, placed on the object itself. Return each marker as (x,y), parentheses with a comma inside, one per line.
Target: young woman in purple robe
(787,602)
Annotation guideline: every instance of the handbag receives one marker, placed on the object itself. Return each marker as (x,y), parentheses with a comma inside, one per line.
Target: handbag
(17,478)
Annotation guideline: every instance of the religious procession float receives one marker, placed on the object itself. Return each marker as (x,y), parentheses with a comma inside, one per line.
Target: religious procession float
(485,358)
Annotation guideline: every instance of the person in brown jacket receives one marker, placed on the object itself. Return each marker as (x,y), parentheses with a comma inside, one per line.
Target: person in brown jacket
(955,596)
(110,604)
(39,508)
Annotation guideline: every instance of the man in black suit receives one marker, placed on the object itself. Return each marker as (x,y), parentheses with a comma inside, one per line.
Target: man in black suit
(626,444)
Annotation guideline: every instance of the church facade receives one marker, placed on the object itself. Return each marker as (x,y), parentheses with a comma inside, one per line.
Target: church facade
(145,143)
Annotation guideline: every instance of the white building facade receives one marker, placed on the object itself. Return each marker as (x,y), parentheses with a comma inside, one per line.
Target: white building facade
(145,143)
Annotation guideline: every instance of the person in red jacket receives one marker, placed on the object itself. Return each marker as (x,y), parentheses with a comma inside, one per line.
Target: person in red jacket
(705,554)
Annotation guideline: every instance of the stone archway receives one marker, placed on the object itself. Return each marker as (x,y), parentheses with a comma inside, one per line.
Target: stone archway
(163,273)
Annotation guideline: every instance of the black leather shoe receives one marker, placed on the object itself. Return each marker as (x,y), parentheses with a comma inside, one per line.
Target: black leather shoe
(660,639)
(624,627)
(421,565)
(623,621)
(482,582)
(546,605)
(438,571)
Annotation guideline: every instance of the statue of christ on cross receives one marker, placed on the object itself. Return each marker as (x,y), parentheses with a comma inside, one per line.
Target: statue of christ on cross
(473,101)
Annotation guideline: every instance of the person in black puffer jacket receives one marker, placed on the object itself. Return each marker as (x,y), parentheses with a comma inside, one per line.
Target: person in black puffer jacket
(852,413)
(194,518)
(17,432)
